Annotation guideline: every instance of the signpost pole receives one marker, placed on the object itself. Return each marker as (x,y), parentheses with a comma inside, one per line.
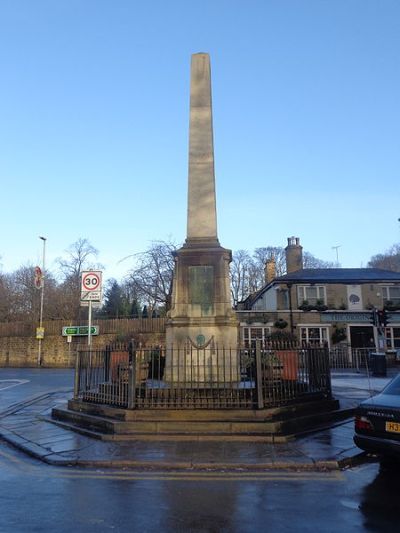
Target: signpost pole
(41,301)
(90,292)
(90,324)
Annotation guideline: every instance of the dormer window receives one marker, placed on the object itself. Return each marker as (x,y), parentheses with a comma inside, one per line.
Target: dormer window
(312,294)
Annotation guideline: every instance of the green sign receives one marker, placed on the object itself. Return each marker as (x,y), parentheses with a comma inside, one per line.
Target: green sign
(73,331)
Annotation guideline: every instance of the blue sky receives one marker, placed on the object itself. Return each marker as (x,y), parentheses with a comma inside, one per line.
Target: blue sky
(94,110)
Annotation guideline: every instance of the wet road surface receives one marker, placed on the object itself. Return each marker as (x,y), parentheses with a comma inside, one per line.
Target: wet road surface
(18,384)
(35,497)
(39,498)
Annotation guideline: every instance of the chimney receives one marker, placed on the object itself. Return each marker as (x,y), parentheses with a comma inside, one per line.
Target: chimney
(294,255)
(269,270)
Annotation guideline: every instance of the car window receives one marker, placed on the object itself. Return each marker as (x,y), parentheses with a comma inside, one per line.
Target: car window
(393,387)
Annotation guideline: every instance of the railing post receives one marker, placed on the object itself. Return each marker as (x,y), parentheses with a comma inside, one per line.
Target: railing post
(358,361)
(327,371)
(76,376)
(107,363)
(260,399)
(132,375)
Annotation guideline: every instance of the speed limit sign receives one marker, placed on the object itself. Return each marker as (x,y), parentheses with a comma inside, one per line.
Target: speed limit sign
(91,281)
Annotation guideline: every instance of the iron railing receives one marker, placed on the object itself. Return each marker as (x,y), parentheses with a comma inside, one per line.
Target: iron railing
(210,378)
(358,359)
(345,358)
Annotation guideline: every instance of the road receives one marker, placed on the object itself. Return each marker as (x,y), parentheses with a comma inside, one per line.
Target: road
(35,497)
(19,384)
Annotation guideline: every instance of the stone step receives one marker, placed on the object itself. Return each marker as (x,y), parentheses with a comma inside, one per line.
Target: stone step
(278,421)
(269,414)
(190,437)
(84,420)
(153,424)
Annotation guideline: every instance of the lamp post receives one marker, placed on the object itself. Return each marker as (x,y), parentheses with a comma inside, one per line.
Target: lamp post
(289,286)
(41,300)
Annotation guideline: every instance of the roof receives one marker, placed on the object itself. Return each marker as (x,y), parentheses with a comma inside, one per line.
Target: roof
(339,275)
(353,276)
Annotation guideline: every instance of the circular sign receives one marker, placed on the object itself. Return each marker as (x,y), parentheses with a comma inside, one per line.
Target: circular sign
(91,281)
(201,340)
(38,277)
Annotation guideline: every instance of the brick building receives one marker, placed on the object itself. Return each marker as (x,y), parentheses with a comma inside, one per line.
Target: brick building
(332,305)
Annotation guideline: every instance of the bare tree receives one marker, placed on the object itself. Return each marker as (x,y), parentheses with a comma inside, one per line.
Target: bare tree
(20,298)
(148,284)
(310,261)
(390,260)
(242,274)
(262,255)
(24,297)
(151,279)
(80,256)
(248,272)
(5,297)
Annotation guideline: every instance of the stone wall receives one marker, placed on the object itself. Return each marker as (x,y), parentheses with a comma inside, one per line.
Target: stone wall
(23,352)
(19,347)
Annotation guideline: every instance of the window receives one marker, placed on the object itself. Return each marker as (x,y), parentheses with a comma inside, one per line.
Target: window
(285,299)
(391,294)
(313,335)
(250,335)
(392,337)
(312,294)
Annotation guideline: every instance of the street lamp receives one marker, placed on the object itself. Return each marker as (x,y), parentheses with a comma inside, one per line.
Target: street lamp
(41,301)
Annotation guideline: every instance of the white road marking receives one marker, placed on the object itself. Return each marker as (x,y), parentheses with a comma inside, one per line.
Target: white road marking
(10,383)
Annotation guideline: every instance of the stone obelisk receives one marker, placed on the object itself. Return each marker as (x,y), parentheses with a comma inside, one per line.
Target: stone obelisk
(202,210)
(201,315)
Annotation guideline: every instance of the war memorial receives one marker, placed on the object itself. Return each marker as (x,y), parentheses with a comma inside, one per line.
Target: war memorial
(200,381)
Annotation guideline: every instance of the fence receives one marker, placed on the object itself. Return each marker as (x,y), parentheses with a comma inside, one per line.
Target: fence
(209,378)
(358,359)
(118,326)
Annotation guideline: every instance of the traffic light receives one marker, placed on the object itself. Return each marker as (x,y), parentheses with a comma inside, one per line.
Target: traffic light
(373,317)
(379,318)
(383,319)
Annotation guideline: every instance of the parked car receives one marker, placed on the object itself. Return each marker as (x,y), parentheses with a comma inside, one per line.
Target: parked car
(377,422)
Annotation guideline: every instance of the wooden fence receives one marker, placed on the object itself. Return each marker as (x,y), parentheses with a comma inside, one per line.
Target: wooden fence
(117,326)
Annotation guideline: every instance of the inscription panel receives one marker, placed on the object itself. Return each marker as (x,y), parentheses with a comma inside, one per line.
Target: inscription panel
(201,287)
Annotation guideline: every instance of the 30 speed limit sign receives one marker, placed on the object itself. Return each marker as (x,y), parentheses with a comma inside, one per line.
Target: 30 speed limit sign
(91,281)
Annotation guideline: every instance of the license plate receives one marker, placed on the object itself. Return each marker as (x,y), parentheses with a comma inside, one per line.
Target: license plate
(393,427)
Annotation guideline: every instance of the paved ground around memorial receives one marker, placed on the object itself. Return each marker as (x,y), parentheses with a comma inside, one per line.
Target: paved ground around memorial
(28,396)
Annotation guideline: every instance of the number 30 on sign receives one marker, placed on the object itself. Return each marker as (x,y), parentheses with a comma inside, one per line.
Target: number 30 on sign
(91,281)
(91,285)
